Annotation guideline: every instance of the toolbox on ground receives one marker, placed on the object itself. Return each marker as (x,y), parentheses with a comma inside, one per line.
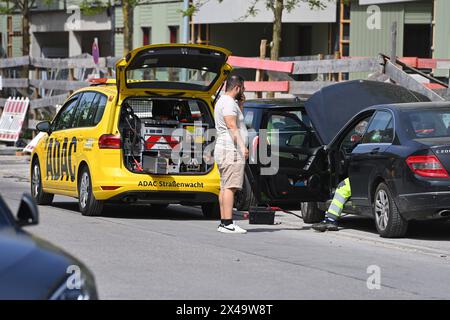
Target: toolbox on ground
(261,215)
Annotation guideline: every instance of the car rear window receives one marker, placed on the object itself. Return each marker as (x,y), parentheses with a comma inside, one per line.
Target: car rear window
(302,116)
(180,68)
(196,79)
(427,123)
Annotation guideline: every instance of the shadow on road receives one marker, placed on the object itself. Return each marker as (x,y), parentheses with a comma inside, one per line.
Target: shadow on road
(124,211)
(438,230)
(256,230)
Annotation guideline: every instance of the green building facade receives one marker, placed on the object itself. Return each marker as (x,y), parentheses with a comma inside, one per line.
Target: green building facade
(16,38)
(159,22)
(417,34)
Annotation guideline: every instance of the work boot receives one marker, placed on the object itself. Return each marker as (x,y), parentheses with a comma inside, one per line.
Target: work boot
(326,225)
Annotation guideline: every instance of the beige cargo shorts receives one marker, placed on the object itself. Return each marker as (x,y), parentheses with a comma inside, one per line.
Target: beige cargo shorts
(231,168)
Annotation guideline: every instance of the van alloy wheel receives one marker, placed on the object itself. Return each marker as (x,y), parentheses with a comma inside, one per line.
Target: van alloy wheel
(36,180)
(39,195)
(84,190)
(87,203)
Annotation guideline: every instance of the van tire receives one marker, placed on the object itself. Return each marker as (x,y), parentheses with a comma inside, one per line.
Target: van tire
(42,198)
(211,210)
(394,225)
(245,198)
(88,205)
(311,212)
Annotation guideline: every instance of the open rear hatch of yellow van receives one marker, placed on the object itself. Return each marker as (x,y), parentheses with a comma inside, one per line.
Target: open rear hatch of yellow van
(165,91)
(187,69)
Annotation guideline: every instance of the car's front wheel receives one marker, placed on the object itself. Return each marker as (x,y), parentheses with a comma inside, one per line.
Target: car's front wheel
(311,212)
(41,197)
(389,222)
(89,206)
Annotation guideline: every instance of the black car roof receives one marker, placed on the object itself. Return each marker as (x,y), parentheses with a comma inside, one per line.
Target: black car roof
(419,105)
(274,103)
(409,106)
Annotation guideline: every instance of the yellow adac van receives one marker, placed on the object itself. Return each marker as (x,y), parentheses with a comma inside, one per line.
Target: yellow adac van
(115,140)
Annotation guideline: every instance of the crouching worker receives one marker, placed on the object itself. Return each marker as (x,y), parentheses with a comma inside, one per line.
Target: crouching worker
(343,191)
(334,212)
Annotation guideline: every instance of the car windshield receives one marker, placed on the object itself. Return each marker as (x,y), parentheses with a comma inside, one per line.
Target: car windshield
(427,123)
(196,79)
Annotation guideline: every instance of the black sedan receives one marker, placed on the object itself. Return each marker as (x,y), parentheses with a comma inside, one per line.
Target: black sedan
(398,169)
(33,269)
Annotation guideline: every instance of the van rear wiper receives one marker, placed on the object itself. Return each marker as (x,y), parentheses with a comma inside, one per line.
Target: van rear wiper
(171,95)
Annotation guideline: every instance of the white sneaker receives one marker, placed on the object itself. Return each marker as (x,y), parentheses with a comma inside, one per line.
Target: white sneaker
(231,228)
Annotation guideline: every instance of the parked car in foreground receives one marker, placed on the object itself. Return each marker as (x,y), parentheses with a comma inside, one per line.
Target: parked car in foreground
(34,269)
(398,171)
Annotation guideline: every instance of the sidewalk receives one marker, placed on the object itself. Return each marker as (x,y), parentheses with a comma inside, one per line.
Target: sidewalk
(429,238)
(15,167)
(8,151)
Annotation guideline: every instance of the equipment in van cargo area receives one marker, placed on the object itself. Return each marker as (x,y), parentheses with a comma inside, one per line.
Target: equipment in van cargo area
(160,135)
(155,165)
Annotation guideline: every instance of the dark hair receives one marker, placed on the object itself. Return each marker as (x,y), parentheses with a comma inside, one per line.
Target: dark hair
(234,81)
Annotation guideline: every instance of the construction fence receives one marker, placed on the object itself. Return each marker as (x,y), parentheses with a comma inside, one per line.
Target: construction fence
(50,81)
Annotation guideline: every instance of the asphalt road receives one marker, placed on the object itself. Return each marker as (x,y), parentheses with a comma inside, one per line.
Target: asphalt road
(138,253)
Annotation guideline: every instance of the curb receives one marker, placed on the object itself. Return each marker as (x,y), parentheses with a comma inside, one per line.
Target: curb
(9,151)
(377,241)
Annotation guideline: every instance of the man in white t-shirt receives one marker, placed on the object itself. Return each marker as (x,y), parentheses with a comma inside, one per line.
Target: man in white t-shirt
(230,152)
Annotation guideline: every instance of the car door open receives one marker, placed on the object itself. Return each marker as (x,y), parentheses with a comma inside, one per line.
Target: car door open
(297,163)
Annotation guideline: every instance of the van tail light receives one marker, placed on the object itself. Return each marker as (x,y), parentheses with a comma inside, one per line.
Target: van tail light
(109,141)
(427,166)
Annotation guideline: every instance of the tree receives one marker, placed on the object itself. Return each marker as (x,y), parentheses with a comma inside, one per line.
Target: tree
(24,8)
(127,12)
(93,7)
(278,7)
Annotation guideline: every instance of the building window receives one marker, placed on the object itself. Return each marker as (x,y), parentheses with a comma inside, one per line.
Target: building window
(146,35)
(173,30)
(417,40)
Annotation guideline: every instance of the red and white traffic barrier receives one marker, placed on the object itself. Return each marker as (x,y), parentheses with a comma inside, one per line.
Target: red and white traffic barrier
(12,118)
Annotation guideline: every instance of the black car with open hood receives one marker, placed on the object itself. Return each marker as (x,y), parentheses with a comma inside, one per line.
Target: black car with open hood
(332,107)
(392,143)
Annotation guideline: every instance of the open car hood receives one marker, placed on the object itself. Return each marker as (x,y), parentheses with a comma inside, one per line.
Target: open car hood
(332,107)
(173,68)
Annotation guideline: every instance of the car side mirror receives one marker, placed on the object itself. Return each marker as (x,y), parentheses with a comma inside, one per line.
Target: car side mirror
(44,126)
(28,213)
